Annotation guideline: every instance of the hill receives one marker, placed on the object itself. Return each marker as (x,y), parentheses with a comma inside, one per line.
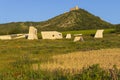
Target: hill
(73,20)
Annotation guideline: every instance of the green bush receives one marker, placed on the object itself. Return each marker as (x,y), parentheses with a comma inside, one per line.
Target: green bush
(93,72)
(118,29)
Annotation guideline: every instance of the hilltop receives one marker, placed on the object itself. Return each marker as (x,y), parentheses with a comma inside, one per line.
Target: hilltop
(73,20)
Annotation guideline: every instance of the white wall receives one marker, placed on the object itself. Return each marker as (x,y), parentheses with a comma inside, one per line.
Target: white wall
(51,35)
(32,33)
(99,34)
(5,37)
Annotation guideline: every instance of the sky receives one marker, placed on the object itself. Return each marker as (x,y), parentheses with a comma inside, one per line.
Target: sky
(41,10)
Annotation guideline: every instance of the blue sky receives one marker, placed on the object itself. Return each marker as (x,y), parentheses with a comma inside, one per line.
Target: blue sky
(41,10)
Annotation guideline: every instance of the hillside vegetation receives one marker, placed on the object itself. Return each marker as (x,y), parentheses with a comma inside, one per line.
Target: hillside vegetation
(74,62)
(69,21)
(23,59)
(13,28)
(76,20)
(118,28)
(18,58)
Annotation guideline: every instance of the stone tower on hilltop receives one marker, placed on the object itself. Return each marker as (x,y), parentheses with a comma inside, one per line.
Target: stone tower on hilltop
(75,8)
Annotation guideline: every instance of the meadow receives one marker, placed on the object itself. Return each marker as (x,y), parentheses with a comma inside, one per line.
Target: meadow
(18,56)
(88,32)
(74,62)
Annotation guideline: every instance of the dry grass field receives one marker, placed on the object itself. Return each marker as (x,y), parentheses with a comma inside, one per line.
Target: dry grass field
(55,59)
(74,62)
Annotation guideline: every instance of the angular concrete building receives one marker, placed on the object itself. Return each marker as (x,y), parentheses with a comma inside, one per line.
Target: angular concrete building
(78,37)
(99,34)
(12,36)
(51,35)
(75,8)
(68,36)
(32,33)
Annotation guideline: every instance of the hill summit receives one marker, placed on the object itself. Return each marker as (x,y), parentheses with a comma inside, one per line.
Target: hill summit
(75,8)
(75,19)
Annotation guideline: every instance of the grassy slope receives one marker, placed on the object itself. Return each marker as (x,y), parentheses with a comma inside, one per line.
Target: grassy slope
(74,62)
(14,54)
(11,50)
(75,20)
(84,32)
(87,32)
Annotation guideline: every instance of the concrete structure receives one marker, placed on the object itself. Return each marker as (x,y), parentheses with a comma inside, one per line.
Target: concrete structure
(99,34)
(51,35)
(19,36)
(68,36)
(12,36)
(5,37)
(78,37)
(75,8)
(32,33)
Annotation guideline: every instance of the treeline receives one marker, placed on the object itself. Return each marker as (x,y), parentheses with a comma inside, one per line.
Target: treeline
(13,28)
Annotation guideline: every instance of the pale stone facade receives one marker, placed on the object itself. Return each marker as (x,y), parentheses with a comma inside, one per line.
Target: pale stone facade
(68,36)
(99,34)
(32,33)
(19,36)
(12,36)
(78,37)
(51,35)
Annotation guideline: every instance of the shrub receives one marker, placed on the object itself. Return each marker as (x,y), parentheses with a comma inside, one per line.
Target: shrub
(118,28)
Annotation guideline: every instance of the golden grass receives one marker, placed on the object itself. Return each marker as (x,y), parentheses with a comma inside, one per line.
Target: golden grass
(106,58)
